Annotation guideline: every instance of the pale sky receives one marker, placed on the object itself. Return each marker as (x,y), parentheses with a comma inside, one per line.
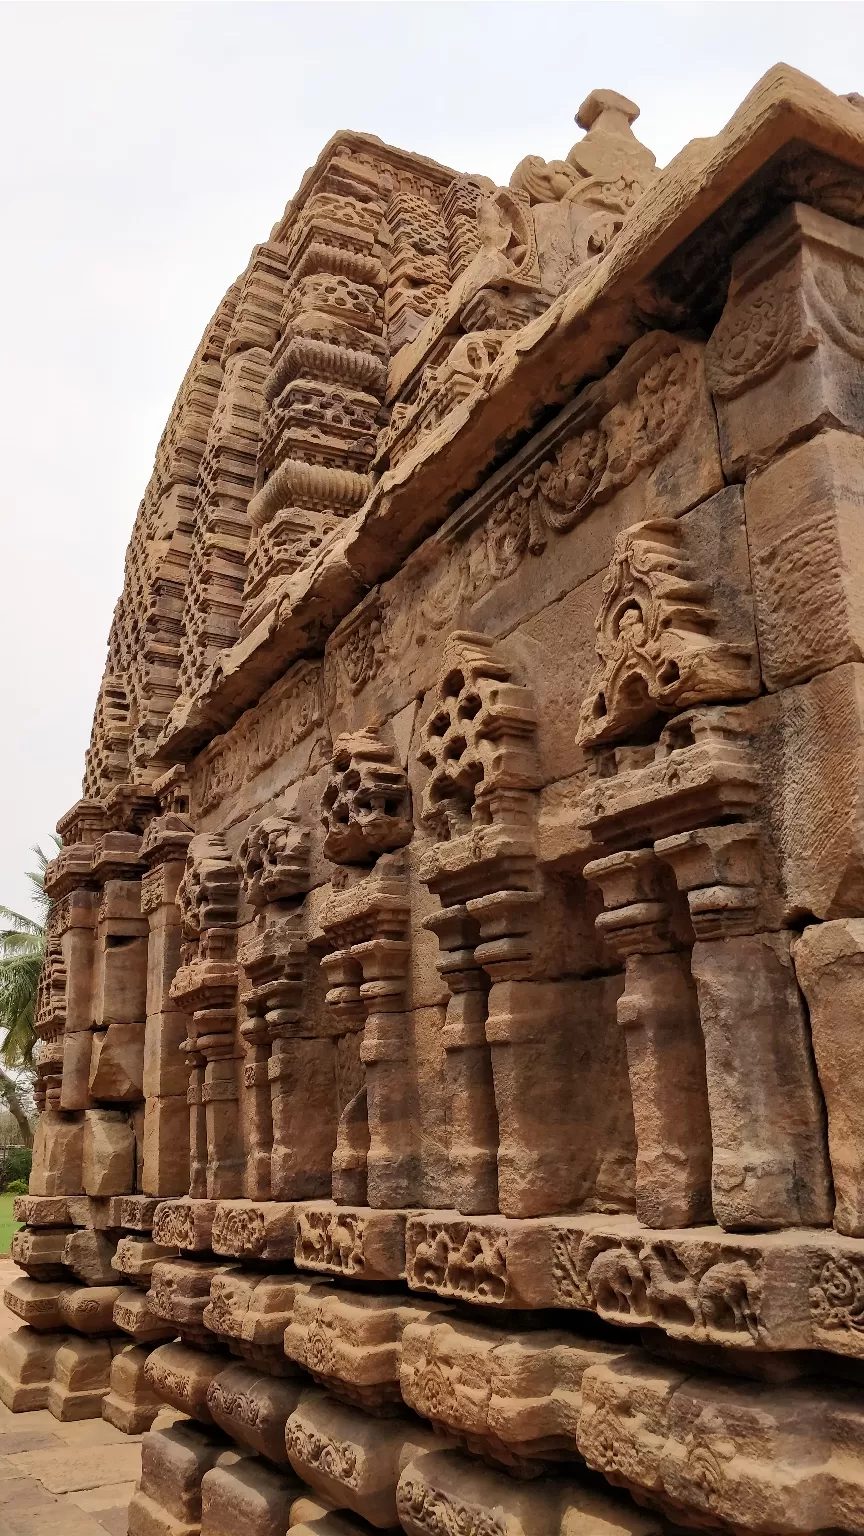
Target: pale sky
(148,146)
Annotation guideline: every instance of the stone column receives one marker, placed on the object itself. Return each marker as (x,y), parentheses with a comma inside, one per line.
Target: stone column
(345,977)
(471,1113)
(166,1072)
(76,920)
(205,986)
(373,971)
(665,1052)
(770,1163)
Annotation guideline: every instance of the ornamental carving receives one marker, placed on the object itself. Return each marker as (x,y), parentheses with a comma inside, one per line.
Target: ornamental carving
(654,638)
(366,806)
(207,896)
(478,741)
(274,858)
(756,334)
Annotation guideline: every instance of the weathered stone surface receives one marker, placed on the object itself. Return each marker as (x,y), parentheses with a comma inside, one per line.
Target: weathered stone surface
(27,1360)
(442,1487)
(252,1407)
(351,1342)
(251,1313)
(247,1497)
(168,1497)
(181,1376)
(132,1315)
(37,1302)
(351,1458)
(357,1242)
(130,1402)
(827,960)
(179,1293)
(80,1378)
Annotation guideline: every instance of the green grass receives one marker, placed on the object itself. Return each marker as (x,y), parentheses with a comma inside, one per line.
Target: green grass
(8,1224)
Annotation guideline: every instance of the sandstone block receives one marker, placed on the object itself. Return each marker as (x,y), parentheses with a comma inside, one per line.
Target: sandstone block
(179,1292)
(181,1376)
(253,1408)
(186,1224)
(168,1498)
(351,1343)
(355,1241)
(132,1315)
(827,960)
(165,1165)
(770,1164)
(351,1458)
(80,1378)
(117,1063)
(90,1308)
(26,1366)
(247,1497)
(246,1230)
(135,1257)
(109,1153)
(514,1397)
(251,1313)
(130,1403)
(40,1252)
(58,1151)
(803,523)
(37,1302)
(442,1487)
(797,275)
(90,1257)
(41,1211)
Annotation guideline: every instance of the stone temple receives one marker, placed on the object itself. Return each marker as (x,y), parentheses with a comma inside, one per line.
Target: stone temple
(451,1072)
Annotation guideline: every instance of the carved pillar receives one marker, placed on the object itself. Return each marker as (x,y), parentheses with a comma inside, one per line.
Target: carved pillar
(366,813)
(665,1052)
(205,987)
(289,1109)
(502,1053)
(472,1116)
(770,1163)
(345,977)
(166,1073)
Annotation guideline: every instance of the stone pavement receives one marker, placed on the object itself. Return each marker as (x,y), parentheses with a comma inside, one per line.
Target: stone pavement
(61,1479)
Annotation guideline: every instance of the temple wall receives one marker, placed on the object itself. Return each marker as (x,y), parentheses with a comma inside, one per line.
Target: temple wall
(449,1078)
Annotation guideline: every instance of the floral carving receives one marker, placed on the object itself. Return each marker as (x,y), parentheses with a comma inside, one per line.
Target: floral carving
(332,1457)
(653,638)
(755,334)
(837,1296)
(439,1514)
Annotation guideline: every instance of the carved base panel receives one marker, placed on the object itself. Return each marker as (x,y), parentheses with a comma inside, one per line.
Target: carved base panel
(355,1241)
(799,1289)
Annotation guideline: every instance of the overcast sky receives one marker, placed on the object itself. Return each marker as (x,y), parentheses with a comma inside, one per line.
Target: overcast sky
(148,146)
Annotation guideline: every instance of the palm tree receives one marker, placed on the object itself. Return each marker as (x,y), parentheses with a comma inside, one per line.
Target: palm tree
(22,951)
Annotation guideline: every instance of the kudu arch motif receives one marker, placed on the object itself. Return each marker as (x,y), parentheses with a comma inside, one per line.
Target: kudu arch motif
(448,1076)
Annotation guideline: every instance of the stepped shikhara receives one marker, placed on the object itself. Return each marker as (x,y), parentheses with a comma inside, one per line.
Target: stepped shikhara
(450,1070)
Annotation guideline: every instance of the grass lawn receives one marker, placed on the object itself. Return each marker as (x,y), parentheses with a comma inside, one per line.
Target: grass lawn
(8,1224)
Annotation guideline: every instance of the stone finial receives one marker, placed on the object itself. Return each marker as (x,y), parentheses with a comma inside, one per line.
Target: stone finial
(610,148)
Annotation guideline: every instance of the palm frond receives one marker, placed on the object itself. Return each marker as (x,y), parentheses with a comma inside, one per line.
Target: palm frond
(20,923)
